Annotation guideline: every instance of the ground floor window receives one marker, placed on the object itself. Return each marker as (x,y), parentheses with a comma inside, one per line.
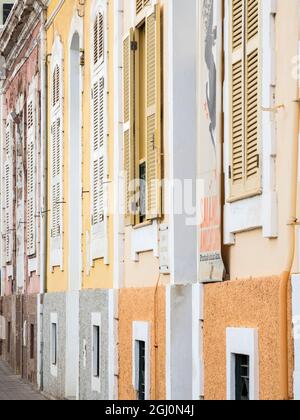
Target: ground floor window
(242,377)
(54,344)
(96,352)
(141,360)
(242,364)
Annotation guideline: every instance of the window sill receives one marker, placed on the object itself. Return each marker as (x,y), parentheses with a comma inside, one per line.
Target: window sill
(142,225)
(144,238)
(244,196)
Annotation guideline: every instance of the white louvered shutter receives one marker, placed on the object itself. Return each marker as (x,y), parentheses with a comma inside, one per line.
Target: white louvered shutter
(99,141)
(31,176)
(8,193)
(98,152)
(56,168)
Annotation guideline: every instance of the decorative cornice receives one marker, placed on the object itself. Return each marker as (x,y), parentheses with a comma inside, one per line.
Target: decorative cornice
(23,14)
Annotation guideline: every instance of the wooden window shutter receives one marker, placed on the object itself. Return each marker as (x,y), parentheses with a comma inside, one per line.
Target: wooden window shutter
(244,172)
(56,189)
(98,37)
(31,177)
(98,153)
(237,115)
(56,86)
(8,193)
(140,4)
(252,152)
(153,113)
(128,130)
(99,146)
(56,168)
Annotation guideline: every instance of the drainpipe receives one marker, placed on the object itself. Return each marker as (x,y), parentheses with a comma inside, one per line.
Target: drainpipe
(286,275)
(44,188)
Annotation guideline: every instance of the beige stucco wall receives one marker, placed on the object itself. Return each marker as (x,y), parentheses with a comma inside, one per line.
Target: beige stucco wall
(253,303)
(252,255)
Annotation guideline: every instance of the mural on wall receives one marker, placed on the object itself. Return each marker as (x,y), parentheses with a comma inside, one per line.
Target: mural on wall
(211,267)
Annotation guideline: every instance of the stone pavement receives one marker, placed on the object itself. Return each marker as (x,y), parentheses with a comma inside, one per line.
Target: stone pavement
(12,388)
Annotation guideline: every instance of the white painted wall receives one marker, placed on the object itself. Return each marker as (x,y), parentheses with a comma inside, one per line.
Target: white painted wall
(182,75)
(179,343)
(75,150)
(72,345)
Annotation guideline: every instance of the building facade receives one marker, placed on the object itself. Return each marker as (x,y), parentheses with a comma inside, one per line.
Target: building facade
(149,198)
(248,320)
(78,322)
(21,184)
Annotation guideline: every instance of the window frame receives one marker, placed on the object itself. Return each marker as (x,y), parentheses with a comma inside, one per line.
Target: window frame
(243,191)
(99,231)
(141,333)
(134,220)
(54,345)
(242,341)
(96,321)
(56,114)
(260,210)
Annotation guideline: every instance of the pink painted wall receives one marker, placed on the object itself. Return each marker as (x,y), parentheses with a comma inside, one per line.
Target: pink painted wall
(19,86)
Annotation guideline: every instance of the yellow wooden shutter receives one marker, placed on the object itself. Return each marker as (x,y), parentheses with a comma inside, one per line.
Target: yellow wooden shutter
(128,130)
(252,85)
(153,113)
(244,69)
(237,104)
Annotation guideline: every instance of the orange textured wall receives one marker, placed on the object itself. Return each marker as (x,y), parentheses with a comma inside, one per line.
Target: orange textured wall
(139,305)
(252,303)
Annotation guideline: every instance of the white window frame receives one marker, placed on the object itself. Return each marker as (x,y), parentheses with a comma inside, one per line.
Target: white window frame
(141,332)
(243,341)
(260,211)
(53,367)
(96,381)
(56,244)
(99,232)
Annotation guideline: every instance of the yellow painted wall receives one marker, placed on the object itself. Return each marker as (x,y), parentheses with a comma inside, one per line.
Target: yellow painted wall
(101,275)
